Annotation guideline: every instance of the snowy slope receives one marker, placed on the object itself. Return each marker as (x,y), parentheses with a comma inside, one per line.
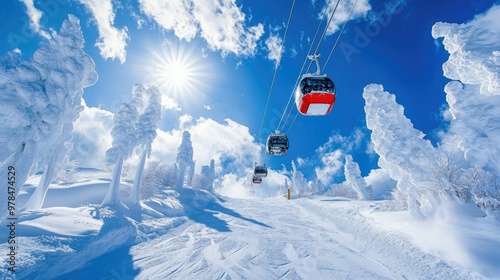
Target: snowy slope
(191,234)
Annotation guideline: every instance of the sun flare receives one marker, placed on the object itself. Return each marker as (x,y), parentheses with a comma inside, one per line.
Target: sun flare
(180,72)
(177,75)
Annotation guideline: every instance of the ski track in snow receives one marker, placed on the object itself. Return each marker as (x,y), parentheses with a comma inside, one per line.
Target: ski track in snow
(323,238)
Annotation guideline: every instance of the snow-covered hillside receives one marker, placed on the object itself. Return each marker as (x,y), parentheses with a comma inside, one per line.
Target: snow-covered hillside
(192,234)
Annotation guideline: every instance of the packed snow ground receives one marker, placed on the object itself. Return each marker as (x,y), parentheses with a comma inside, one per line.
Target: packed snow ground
(192,234)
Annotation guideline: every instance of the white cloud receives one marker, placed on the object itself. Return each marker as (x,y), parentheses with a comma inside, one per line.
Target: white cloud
(301,161)
(383,17)
(234,186)
(381,183)
(207,107)
(168,103)
(331,154)
(273,46)
(112,41)
(370,149)
(395,6)
(220,23)
(184,120)
(92,137)
(346,143)
(138,19)
(342,12)
(164,147)
(332,163)
(228,143)
(35,15)
(172,15)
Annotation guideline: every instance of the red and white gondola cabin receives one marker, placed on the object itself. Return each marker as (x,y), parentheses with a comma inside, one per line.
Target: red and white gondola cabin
(315,95)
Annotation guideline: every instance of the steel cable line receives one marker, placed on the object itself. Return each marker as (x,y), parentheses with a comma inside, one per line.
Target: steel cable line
(323,35)
(305,60)
(298,78)
(293,121)
(340,34)
(331,52)
(276,69)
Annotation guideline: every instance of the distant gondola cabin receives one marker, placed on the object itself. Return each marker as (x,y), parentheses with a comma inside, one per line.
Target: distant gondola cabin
(256,180)
(260,171)
(277,144)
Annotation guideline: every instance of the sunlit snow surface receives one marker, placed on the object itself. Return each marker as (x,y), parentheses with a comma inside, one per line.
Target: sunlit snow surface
(191,234)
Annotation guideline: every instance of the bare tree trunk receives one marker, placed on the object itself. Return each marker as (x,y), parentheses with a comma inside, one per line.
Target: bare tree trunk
(114,187)
(37,198)
(181,175)
(135,193)
(14,171)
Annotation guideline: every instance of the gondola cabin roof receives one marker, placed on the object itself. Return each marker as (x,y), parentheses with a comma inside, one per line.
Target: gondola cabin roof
(277,139)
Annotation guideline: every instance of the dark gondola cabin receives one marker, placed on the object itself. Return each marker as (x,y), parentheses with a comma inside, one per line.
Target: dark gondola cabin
(315,95)
(256,180)
(277,144)
(260,171)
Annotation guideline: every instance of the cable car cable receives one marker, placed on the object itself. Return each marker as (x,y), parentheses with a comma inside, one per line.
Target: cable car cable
(298,78)
(293,121)
(340,34)
(333,48)
(323,35)
(276,69)
(305,60)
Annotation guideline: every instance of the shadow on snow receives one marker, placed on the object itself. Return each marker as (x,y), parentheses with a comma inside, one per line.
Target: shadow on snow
(116,237)
(203,207)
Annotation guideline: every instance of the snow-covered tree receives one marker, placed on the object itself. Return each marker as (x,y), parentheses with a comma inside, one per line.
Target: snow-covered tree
(190,173)
(145,128)
(403,151)
(299,183)
(172,175)
(211,174)
(285,186)
(184,157)
(199,181)
(354,180)
(343,190)
(205,179)
(155,175)
(39,101)
(124,141)
(473,94)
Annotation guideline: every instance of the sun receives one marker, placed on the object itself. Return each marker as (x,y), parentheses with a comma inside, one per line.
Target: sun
(179,71)
(178,74)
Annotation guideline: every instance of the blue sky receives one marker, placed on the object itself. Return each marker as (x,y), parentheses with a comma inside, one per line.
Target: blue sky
(398,52)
